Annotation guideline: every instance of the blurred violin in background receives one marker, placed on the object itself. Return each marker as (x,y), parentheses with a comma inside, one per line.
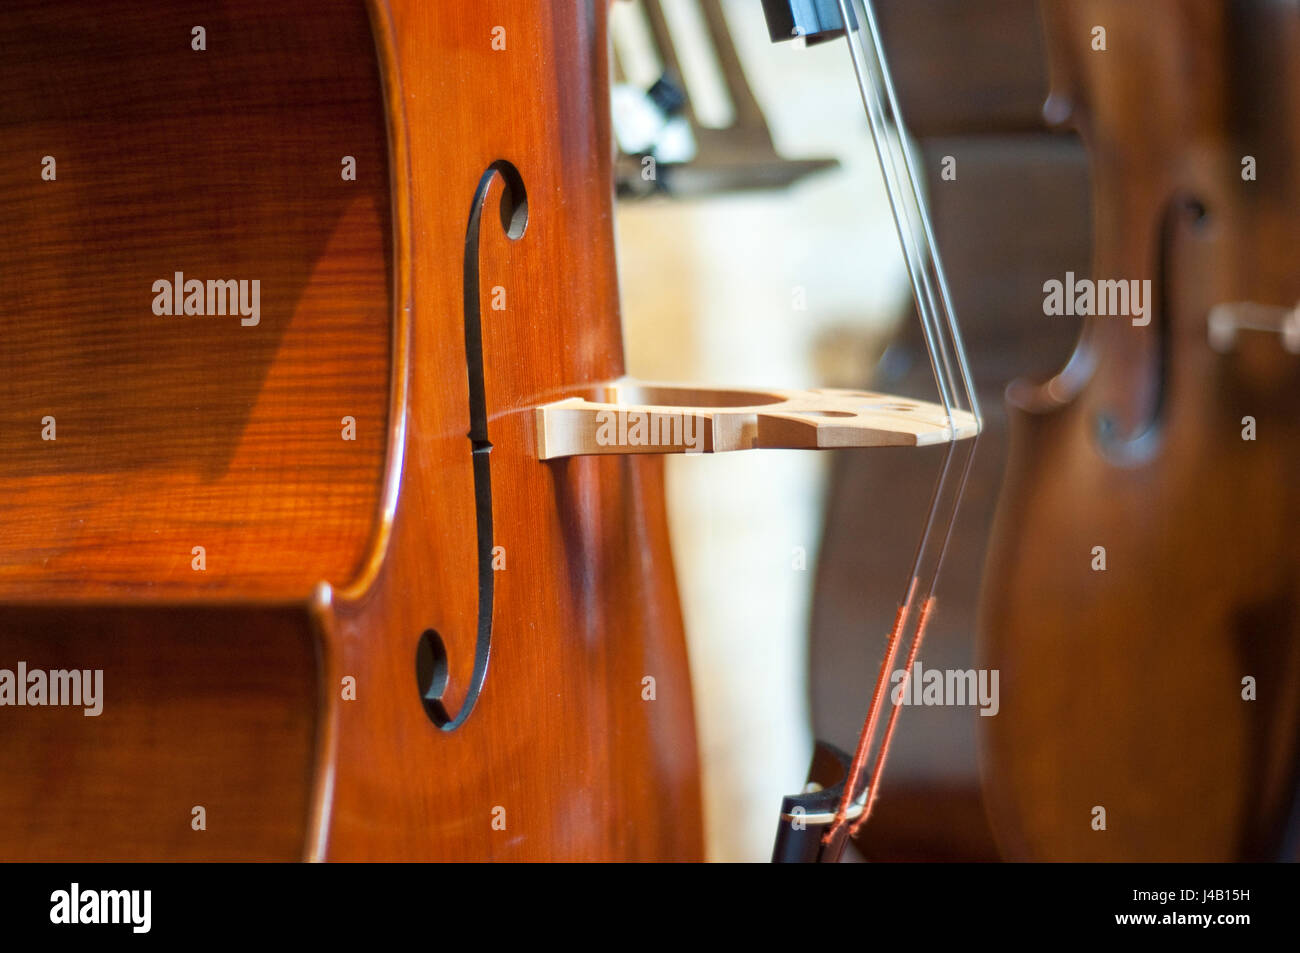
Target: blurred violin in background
(1140,593)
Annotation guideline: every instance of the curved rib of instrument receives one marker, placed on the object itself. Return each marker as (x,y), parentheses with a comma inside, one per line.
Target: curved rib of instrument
(638,417)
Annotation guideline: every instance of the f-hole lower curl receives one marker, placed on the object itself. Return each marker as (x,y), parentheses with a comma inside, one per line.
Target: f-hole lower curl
(431,664)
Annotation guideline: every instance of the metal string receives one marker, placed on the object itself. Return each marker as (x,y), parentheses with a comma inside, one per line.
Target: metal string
(952,377)
(925,269)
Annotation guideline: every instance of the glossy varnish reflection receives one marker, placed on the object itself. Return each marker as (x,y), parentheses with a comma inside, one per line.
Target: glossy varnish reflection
(325,558)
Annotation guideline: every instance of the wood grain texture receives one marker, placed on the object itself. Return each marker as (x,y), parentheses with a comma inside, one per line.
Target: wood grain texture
(182,431)
(638,417)
(562,739)
(1123,688)
(213,709)
(325,558)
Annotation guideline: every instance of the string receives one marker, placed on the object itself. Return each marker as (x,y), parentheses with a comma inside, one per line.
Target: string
(953,380)
(850,794)
(927,610)
(932,246)
(924,577)
(920,250)
(869,726)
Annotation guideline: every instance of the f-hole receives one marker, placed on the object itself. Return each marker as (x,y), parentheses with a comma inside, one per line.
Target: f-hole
(1141,443)
(431,653)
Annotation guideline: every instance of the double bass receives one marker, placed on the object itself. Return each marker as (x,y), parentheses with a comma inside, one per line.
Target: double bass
(1140,591)
(329,625)
(333,529)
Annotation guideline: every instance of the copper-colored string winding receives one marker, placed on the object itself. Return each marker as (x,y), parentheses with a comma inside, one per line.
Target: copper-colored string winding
(873,714)
(873,784)
(832,841)
(878,696)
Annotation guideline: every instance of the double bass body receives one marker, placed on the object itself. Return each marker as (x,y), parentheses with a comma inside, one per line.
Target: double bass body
(1140,595)
(270,538)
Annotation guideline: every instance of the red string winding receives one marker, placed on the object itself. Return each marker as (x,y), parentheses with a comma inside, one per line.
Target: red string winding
(878,697)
